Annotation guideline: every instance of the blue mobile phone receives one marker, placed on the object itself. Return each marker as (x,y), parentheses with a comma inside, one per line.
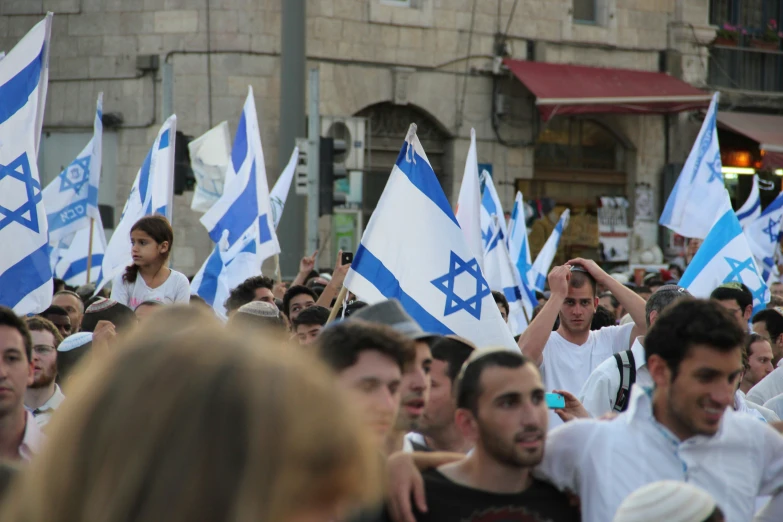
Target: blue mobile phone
(555,401)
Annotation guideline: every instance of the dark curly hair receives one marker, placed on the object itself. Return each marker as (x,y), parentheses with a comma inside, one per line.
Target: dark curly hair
(246,291)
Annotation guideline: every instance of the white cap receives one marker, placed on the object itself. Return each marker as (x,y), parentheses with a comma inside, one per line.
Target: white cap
(74,341)
(666,500)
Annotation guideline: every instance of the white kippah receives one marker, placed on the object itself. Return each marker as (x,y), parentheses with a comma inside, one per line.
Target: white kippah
(74,341)
(666,500)
(259,308)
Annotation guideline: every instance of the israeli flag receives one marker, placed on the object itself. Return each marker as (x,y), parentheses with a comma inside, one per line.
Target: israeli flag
(282,186)
(518,246)
(751,210)
(468,210)
(244,208)
(71,266)
(502,277)
(692,206)
(71,199)
(725,257)
(220,274)
(490,206)
(444,289)
(152,193)
(536,277)
(764,236)
(25,269)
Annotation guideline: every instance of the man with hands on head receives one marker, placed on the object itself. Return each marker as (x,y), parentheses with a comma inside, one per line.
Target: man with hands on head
(568,355)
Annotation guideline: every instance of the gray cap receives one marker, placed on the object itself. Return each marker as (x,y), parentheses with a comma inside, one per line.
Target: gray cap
(259,308)
(391,313)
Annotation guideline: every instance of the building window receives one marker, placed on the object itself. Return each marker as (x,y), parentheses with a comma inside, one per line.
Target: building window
(585,11)
(399,3)
(569,143)
(748,14)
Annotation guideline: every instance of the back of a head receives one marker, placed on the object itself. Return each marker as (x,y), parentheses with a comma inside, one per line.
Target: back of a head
(454,351)
(663,298)
(340,345)
(602,318)
(669,501)
(468,387)
(257,314)
(54,310)
(734,292)
(250,434)
(691,322)
(74,350)
(116,313)
(773,321)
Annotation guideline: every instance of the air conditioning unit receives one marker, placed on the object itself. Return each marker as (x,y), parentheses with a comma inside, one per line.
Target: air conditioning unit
(350,130)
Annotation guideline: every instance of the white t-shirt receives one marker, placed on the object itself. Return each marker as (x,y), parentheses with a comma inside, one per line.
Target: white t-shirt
(175,289)
(767,388)
(567,366)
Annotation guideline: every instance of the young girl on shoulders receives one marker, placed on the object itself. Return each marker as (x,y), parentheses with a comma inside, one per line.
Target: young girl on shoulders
(149,278)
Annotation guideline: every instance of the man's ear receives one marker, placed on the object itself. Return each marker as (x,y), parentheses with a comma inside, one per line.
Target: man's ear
(466,424)
(748,313)
(659,371)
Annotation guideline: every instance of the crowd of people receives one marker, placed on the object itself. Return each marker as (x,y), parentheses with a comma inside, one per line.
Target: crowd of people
(143,405)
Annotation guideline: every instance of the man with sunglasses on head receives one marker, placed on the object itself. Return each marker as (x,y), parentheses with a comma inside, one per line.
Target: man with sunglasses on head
(568,355)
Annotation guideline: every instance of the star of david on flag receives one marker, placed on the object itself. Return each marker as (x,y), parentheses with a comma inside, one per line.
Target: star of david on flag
(692,206)
(725,257)
(431,270)
(75,176)
(763,234)
(25,267)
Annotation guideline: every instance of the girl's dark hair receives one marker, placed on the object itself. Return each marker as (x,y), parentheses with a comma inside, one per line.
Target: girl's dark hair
(159,229)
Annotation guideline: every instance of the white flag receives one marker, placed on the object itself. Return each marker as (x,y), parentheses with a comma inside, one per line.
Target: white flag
(469,203)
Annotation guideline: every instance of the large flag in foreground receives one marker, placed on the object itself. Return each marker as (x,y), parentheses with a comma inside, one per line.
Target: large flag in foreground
(244,208)
(152,193)
(413,250)
(72,263)
(468,210)
(764,236)
(751,210)
(692,207)
(71,199)
(536,277)
(279,192)
(25,269)
(725,257)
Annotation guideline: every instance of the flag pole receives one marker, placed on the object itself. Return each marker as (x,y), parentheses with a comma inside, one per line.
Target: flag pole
(337,304)
(89,251)
(277,269)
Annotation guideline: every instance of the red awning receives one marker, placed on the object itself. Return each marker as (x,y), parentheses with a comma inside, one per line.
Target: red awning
(577,89)
(765,129)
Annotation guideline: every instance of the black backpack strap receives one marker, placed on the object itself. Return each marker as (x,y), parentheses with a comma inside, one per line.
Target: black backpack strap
(626,365)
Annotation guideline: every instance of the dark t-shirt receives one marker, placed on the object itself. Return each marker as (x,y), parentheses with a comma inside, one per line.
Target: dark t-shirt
(448,501)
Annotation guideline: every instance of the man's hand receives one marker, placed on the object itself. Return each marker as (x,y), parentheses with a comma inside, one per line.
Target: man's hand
(558,280)
(340,271)
(592,268)
(307,264)
(573,408)
(103,337)
(404,480)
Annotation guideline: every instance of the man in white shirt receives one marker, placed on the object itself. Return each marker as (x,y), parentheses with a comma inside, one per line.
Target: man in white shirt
(737,299)
(568,356)
(758,362)
(600,393)
(769,387)
(683,429)
(769,324)
(43,396)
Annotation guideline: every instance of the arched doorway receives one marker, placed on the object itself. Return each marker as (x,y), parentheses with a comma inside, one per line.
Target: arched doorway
(577,160)
(387,125)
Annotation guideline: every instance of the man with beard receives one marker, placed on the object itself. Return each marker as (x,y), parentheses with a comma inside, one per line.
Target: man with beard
(43,396)
(569,355)
(502,409)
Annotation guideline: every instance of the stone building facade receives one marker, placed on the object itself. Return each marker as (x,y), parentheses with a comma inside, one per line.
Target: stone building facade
(387,60)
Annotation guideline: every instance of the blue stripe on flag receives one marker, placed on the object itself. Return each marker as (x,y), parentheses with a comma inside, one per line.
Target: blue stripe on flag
(80,266)
(164,139)
(92,195)
(209,280)
(540,281)
(512,294)
(144,177)
(239,151)
(264,233)
(424,179)
(15,93)
(240,215)
(750,211)
(25,276)
(722,233)
(374,271)
(67,215)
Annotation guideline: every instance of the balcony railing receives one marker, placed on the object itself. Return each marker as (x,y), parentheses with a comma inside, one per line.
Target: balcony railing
(746,68)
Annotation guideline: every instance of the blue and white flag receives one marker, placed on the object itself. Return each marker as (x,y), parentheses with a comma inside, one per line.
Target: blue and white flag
(71,199)
(692,206)
(764,236)
(490,206)
(725,257)
(25,270)
(279,192)
(502,276)
(536,277)
(220,274)
(468,210)
(444,290)
(751,210)
(518,246)
(72,263)
(244,208)
(152,193)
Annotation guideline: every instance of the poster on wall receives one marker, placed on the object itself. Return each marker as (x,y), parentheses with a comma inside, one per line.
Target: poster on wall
(613,231)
